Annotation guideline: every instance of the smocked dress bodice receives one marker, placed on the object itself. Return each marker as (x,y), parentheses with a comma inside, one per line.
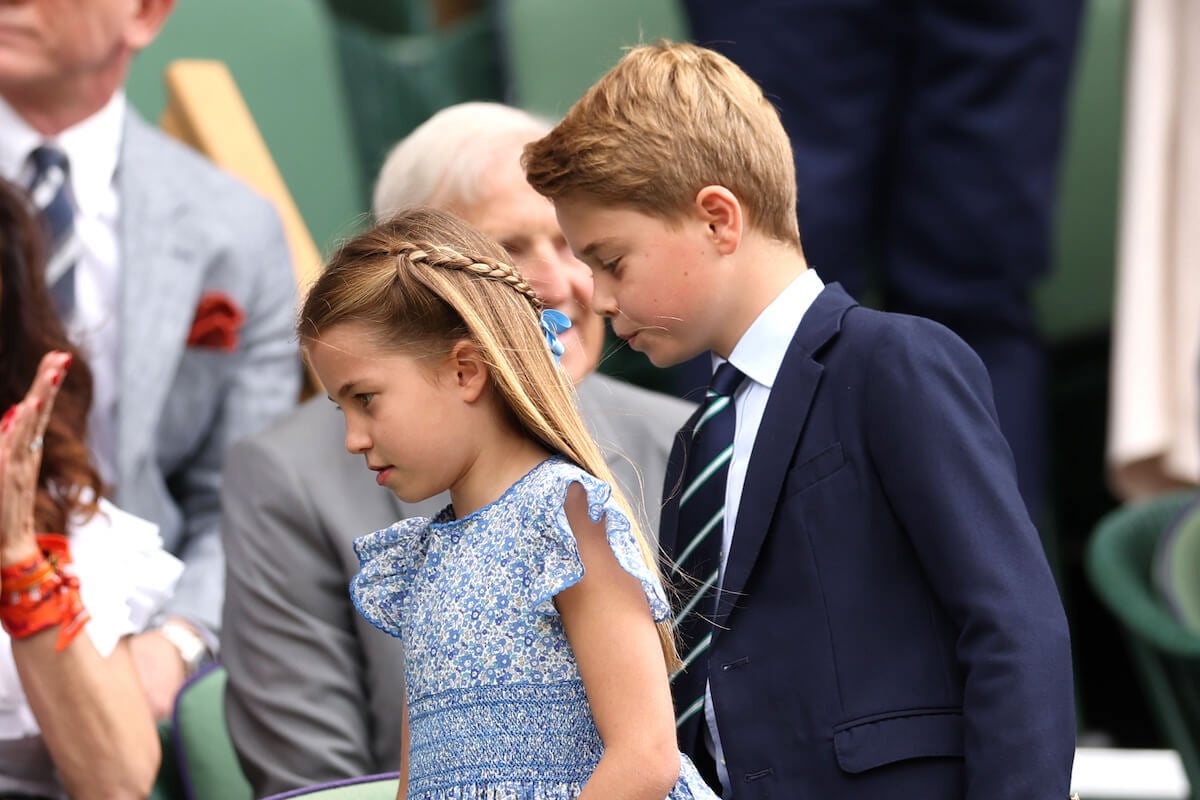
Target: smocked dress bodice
(497,709)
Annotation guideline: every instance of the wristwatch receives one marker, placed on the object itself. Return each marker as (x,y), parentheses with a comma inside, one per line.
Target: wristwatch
(192,649)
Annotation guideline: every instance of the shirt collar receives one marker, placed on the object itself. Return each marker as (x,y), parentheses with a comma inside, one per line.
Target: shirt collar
(759,353)
(92,146)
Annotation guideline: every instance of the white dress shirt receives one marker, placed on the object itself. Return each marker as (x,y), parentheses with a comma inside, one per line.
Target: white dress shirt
(758,355)
(92,148)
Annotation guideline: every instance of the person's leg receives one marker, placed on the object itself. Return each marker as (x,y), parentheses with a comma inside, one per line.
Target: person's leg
(972,201)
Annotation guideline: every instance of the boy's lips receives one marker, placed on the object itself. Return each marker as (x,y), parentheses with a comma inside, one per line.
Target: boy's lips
(381,473)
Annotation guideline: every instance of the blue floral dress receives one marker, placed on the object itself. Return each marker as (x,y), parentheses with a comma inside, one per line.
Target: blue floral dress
(496,707)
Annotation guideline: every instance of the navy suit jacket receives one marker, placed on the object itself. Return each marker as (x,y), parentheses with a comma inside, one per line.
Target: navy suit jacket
(889,627)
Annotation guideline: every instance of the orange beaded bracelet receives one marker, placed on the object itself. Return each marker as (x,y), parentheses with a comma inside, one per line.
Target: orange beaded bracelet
(43,591)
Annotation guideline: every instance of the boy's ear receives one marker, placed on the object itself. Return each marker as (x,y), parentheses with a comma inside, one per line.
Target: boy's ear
(468,370)
(721,211)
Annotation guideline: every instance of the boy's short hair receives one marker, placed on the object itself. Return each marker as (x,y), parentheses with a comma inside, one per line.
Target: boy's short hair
(666,121)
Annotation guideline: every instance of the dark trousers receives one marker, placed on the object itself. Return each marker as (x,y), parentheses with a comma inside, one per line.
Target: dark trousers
(926,136)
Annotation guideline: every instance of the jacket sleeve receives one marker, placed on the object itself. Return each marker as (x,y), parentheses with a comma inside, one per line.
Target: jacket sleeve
(295,702)
(947,471)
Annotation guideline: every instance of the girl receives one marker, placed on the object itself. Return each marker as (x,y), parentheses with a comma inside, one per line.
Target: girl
(528,607)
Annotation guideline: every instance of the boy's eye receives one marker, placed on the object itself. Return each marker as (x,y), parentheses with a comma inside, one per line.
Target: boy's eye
(364,398)
(610,266)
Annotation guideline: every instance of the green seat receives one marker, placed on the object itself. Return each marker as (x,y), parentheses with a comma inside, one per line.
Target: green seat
(553,50)
(1166,655)
(1177,568)
(208,765)
(283,57)
(397,80)
(368,787)
(168,785)
(1076,299)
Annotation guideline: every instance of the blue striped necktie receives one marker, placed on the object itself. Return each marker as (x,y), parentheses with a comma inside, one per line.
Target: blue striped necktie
(698,538)
(51,193)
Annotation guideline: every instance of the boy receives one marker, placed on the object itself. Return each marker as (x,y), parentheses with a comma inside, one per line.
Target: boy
(882,622)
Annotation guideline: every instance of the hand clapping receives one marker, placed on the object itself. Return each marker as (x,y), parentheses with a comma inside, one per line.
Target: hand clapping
(21,440)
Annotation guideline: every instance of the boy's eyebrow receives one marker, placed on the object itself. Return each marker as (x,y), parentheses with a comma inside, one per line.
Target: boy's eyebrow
(593,247)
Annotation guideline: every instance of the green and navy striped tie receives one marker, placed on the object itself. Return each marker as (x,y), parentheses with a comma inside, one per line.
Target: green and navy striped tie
(697,559)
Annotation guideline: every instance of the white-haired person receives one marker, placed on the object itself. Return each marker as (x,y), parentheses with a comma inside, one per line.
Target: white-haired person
(312,692)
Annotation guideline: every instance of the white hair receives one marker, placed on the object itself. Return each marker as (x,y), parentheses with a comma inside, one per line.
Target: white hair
(442,159)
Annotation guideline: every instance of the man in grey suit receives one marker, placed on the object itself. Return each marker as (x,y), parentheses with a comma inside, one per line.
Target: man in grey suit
(173,277)
(314,691)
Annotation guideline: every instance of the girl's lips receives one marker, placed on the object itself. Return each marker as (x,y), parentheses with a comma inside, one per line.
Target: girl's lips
(382,475)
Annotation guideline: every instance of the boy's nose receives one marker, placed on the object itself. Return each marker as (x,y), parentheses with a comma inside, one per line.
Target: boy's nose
(604,301)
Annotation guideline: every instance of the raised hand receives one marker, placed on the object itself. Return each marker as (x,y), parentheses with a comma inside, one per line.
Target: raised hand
(21,439)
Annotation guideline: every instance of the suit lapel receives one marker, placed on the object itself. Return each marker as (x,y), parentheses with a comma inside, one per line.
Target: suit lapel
(160,287)
(775,444)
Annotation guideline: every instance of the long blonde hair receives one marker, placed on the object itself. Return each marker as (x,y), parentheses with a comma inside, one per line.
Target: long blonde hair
(424,280)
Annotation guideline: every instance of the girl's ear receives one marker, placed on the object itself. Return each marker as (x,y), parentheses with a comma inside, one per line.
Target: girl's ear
(469,371)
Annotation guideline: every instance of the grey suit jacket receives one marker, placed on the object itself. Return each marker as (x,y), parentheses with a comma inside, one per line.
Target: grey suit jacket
(186,228)
(314,691)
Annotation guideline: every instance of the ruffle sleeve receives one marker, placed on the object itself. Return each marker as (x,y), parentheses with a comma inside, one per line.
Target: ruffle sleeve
(126,576)
(387,561)
(556,561)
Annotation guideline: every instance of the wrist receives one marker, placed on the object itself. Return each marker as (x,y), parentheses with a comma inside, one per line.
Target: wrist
(193,650)
(19,551)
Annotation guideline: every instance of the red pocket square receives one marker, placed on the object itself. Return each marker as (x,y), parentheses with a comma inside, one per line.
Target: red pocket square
(218,320)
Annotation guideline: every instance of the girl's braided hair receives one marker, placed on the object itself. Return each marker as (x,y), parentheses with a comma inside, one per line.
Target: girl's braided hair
(445,257)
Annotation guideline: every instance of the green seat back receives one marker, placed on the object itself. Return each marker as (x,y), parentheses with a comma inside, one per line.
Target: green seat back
(372,787)
(283,57)
(208,764)
(1177,568)
(1166,655)
(395,81)
(1076,299)
(167,786)
(553,50)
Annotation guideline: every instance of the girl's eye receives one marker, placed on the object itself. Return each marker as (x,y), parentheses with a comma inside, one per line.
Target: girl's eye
(610,266)
(364,399)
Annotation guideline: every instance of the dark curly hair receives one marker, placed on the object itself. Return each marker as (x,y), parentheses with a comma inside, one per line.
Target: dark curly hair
(69,482)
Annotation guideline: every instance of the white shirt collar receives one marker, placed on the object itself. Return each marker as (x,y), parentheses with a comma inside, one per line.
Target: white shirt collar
(92,146)
(759,353)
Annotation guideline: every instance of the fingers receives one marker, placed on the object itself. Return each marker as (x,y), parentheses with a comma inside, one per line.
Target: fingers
(21,432)
(44,391)
(25,423)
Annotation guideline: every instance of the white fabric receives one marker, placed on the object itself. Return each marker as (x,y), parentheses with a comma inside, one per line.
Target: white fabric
(92,148)
(758,355)
(125,578)
(1154,416)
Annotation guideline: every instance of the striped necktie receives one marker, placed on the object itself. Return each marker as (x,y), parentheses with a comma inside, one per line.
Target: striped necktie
(697,558)
(51,193)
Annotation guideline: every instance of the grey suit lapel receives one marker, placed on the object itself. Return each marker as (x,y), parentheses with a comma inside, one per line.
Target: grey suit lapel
(160,287)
